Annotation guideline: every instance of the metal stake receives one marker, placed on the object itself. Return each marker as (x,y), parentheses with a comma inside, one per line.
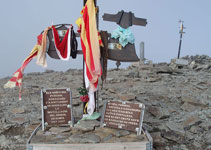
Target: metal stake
(181,33)
(142,51)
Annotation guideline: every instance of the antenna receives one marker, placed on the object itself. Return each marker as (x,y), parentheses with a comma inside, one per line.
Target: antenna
(181,31)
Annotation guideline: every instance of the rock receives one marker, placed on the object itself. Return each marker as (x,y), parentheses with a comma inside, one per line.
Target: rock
(177,128)
(4,143)
(196,102)
(147,127)
(107,138)
(158,112)
(158,141)
(197,145)
(206,126)
(105,132)
(189,136)
(58,130)
(87,125)
(192,65)
(153,79)
(78,112)
(49,138)
(155,111)
(7,126)
(111,90)
(30,128)
(18,120)
(203,67)
(18,110)
(133,74)
(76,101)
(109,79)
(189,107)
(181,62)
(177,99)
(85,138)
(183,147)
(127,97)
(173,136)
(191,121)
(120,133)
(19,139)
(164,69)
(196,130)
(208,147)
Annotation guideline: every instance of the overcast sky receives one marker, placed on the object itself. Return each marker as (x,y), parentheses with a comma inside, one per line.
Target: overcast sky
(22,20)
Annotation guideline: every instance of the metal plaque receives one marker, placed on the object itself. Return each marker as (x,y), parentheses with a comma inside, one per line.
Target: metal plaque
(123,115)
(56,107)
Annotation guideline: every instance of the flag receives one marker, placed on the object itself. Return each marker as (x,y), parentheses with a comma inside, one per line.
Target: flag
(39,50)
(44,42)
(16,80)
(90,44)
(63,47)
(91,51)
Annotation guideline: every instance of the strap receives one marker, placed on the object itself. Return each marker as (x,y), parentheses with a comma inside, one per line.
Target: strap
(74,44)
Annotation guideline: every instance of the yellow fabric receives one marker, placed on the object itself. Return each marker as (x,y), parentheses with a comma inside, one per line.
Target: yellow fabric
(9,84)
(78,21)
(85,107)
(35,49)
(12,84)
(41,56)
(94,43)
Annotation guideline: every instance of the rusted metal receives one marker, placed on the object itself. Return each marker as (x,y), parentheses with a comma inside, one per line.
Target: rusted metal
(125,54)
(125,19)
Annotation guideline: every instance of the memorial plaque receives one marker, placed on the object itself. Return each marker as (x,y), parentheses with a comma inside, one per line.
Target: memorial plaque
(56,107)
(123,115)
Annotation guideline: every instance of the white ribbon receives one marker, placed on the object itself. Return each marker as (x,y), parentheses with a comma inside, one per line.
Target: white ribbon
(91,103)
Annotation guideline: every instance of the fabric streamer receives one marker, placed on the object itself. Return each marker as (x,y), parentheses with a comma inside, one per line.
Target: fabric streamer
(91,103)
(91,51)
(63,47)
(44,42)
(39,50)
(74,44)
(16,80)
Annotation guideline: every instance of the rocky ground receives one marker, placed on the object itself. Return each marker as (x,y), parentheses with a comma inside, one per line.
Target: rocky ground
(177,97)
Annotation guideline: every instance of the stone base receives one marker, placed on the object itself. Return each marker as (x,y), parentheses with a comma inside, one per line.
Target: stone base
(77,139)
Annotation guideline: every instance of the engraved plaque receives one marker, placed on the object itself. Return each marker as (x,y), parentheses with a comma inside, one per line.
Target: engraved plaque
(123,115)
(56,107)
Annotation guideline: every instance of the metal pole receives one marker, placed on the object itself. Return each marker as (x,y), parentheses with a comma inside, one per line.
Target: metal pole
(181,33)
(142,52)
(84,103)
(180,43)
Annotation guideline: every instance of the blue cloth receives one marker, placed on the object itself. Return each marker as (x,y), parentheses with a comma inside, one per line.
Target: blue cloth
(125,36)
